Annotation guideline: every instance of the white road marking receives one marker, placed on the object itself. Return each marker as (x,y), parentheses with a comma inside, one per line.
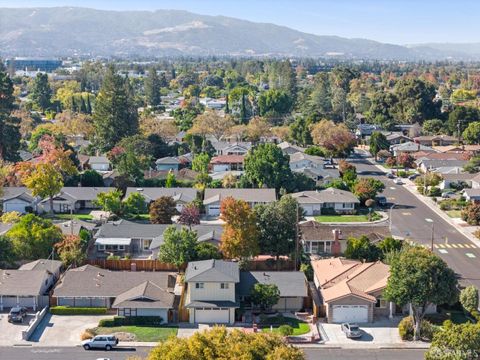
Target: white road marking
(460,246)
(470,255)
(393,188)
(443,251)
(454,245)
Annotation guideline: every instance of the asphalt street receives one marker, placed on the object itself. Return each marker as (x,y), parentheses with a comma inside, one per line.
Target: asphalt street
(413,220)
(77,353)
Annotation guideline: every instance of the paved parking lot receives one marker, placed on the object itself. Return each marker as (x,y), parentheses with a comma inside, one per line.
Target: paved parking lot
(11,333)
(379,333)
(63,330)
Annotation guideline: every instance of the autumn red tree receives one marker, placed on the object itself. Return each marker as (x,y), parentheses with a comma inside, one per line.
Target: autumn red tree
(190,215)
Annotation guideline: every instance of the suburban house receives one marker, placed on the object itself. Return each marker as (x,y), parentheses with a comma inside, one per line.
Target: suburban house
(142,241)
(456,179)
(476,181)
(291,284)
(17,199)
(29,285)
(181,196)
(75,198)
(321,175)
(300,160)
(289,149)
(409,147)
(442,166)
(73,227)
(210,291)
(472,195)
(326,201)
(167,163)
(325,239)
(351,291)
(214,197)
(436,140)
(472,149)
(130,293)
(234,148)
(227,163)
(99,163)
(397,137)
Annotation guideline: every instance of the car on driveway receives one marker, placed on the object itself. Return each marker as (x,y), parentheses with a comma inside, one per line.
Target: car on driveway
(352,331)
(448,194)
(413,176)
(17,314)
(398,181)
(106,342)
(390,176)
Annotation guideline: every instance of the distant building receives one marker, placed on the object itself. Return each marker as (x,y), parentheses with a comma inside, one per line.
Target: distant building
(47,65)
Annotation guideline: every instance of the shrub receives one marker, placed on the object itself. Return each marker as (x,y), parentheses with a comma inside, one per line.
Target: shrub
(471,214)
(434,192)
(328,211)
(106,323)
(285,330)
(405,329)
(87,334)
(469,298)
(66,310)
(137,320)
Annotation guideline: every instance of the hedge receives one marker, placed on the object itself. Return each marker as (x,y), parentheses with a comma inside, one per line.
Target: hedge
(131,320)
(67,310)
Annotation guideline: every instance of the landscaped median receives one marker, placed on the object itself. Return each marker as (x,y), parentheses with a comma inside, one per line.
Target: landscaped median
(138,328)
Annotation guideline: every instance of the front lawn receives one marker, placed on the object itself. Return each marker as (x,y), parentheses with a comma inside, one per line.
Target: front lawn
(84,217)
(342,218)
(454,213)
(299,327)
(142,333)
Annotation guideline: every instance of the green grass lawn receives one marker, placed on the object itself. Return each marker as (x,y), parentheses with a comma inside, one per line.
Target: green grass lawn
(84,217)
(342,218)
(299,327)
(142,333)
(454,213)
(142,217)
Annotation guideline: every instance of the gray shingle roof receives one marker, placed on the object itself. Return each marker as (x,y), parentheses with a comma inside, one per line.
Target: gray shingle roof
(43,264)
(312,230)
(248,195)
(329,195)
(77,193)
(98,160)
(129,229)
(21,282)
(205,233)
(12,192)
(212,271)
(167,160)
(145,295)
(92,281)
(178,194)
(290,283)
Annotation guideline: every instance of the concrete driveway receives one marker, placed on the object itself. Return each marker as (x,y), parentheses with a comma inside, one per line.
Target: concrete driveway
(63,330)
(379,333)
(11,333)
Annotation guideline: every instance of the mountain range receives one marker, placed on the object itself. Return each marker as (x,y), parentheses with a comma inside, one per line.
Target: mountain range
(73,31)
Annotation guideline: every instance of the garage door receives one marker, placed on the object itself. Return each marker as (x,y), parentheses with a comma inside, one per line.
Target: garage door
(214,210)
(10,206)
(350,313)
(212,316)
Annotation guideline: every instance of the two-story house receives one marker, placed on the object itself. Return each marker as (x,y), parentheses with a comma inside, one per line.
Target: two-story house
(210,293)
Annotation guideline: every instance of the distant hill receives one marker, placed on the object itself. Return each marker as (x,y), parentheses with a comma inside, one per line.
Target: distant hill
(70,31)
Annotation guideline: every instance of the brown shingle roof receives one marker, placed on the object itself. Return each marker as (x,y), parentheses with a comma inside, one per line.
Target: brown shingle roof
(312,230)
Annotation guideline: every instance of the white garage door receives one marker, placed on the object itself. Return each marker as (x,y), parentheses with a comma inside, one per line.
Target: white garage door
(214,210)
(212,316)
(308,209)
(11,206)
(350,313)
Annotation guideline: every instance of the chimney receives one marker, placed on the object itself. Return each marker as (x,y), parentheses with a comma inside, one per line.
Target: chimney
(336,247)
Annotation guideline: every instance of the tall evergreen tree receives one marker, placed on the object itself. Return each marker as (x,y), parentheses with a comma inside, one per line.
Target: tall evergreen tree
(115,115)
(74,104)
(83,106)
(89,105)
(41,92)
(152,88)
(9,128)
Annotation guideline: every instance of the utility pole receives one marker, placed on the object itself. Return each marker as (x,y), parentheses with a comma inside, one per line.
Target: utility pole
(431,245)
(295,266)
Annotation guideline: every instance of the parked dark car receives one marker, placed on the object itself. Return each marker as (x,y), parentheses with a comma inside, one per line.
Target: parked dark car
(17,314)
(381,201)
(390,176)
(413,176)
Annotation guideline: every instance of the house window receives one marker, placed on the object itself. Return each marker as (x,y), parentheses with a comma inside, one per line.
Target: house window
(223,285)
(381,303)
(327,247)
(199,285)
(121,247)
(146,244)
(101,247)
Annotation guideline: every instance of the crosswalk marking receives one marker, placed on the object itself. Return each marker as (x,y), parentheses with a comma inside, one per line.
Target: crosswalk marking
(460,246)
(441,246)
(448,246)
(454,246)
(467,246)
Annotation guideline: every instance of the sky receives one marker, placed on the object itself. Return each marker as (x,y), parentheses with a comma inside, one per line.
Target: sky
(391,21)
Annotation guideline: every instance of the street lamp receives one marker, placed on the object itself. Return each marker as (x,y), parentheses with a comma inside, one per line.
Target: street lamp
(433,227)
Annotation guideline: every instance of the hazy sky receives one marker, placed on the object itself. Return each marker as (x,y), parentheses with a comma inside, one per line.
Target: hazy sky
(394,21)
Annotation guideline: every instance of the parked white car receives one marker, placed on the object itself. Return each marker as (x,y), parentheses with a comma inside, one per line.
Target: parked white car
(398,181)
(106,342)
(352,331)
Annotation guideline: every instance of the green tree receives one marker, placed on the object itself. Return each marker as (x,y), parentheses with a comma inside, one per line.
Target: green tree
(367,188)
(433,127)
(91,178)
(115,115)
(460,117)
(170,180)
(7,255)
(274,103)
(178,246)
(111,202)
(264,295)
(362,249)
(9,125)
(207,251)
(469,298)
(162,210)
(420,278)
(455,342)
(378,142)
(152,88)
(416,101)
(382,109)
(389,245)
(70,250)
(300,131)
(44,181)
(200,163)
(41,93)
(471,134)
(473,165)
(135,204)
(33,237)
(267,166)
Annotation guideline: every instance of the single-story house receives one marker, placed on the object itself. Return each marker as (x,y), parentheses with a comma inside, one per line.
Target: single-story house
(290,149)
(291,284)
(17,199)
(409,147)
(472,195)
(436,140)
(181,196)
(441,166)
(325,239)
(214,197)
(317,202)
(29,285)
(456,178)
(397,137)
(73,227)
(300,160)
(476,181)
(234,148)
(74,198)
(351,291)
(130,293)
(472,149)
(99,163)
(167,163)
(321,176)
(227,163)
(210,291)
